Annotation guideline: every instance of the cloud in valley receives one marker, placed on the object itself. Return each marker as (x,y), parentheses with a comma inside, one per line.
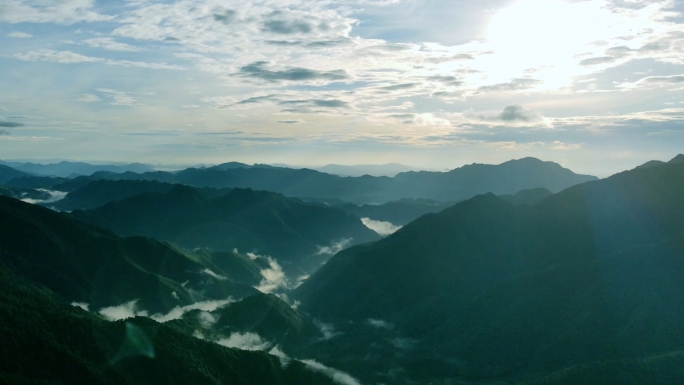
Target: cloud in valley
(334,248)
(273,278)
(205,306)
(327,330)
(380,227)
(244,341)
(380,324)
(123,311)
(338,376)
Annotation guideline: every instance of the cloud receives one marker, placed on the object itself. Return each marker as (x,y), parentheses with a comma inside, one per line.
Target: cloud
(287,27)
(513,85)
(10,124)
(205,306)
(328,330)
(88,98)
(130,309)
(68,57)
(110,44)
(284,359)
(674,79)
(82,305)
(380,227)
(273,278)
(380,324)
(119,98)
(214,275)
(207,319)
(289,121)
(258,70)
(40,11)
(430,120)
(226,17)
(512,113)
(334,248)
(54,197)
(301,280)
(246,341)
(19,35)
(598,60)
(403,343)
(126,310)
(337,375)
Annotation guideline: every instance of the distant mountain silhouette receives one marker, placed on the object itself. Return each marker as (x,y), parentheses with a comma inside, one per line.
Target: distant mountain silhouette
(68,169)
(652,163)
(252,221)
(494,291)
(8,173)
(390,169)
(99,192)
(461,183)
(527,197)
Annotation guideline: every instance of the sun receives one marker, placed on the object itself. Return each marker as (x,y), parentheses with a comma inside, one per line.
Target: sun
(545,35)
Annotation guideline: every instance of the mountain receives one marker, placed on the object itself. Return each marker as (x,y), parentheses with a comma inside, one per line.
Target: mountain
(527,197)
(491,291)
(67,169)
(9,173)
(461,183)
(652,163)
(81,305)
(48,341)
(407,210)
(25,194)
(268,317)
(35,182)
(390,169)
(255,221)
(399,212)
(100,192)
(87,264)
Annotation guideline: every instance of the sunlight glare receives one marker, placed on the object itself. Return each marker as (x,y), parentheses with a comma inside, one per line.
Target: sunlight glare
(542,38)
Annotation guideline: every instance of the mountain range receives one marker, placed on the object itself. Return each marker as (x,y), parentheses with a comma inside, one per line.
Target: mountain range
(259,222)
(458,184)
(491,291)
(149,281)
(70,169)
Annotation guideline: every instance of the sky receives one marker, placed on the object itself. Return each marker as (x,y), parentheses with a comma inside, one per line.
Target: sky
(597,86)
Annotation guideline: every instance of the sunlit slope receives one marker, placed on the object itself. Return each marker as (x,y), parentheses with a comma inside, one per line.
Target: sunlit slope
(493,290)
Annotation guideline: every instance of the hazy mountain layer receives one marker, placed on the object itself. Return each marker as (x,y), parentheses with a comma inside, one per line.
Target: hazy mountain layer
(99,192)
(252,221)
(68,169)
(9,173)
(461,183)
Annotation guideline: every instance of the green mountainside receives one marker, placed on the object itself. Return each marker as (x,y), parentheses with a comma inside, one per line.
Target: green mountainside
(503,292)
(253,221)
